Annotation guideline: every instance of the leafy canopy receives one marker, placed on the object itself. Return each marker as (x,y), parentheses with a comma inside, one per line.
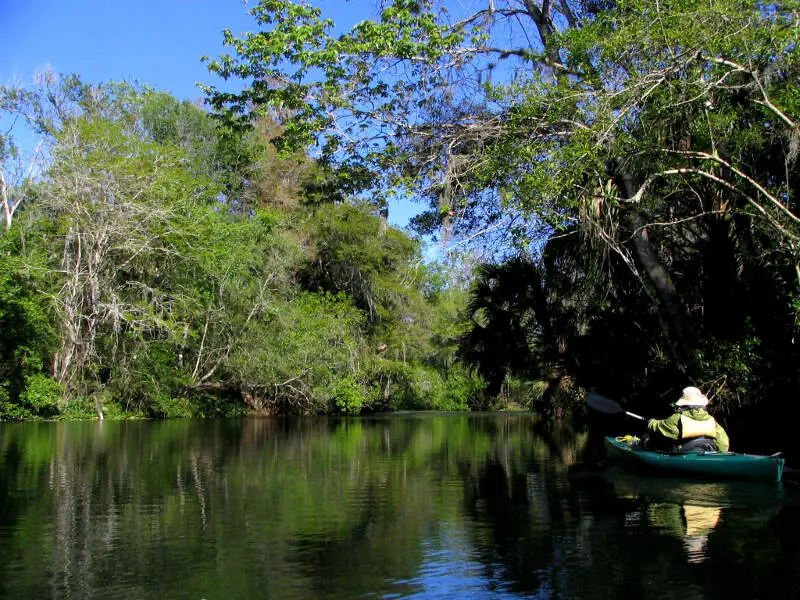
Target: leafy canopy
(524,112)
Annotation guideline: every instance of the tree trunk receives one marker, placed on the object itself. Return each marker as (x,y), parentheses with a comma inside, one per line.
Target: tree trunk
(661,287)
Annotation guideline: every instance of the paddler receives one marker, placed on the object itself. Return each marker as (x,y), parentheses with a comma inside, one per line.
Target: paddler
(690,428)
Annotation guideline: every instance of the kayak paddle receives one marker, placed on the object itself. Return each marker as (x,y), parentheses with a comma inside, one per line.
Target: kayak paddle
(608,406)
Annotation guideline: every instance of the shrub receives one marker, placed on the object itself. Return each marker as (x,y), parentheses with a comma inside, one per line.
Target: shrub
(163,406)
(42,395)
(347,396)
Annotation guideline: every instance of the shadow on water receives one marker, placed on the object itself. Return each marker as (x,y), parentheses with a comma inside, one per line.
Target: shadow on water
(405,506)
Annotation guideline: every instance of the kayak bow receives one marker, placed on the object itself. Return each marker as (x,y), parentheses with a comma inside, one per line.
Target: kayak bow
(719,465)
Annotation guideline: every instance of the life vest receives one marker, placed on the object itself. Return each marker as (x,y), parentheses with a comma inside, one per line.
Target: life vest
(692,428)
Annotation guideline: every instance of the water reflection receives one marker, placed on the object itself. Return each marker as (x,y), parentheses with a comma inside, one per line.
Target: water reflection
(689,522)
(710,519)
(416,506)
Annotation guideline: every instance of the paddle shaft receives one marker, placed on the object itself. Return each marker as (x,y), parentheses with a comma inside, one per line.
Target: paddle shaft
(630,414)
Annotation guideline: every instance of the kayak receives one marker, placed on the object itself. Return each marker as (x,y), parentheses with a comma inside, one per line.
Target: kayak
(718,465)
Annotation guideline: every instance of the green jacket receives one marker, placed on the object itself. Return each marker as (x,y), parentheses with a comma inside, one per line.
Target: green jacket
(670,428)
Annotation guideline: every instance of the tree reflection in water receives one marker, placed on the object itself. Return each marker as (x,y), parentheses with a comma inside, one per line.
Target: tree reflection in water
(489,506)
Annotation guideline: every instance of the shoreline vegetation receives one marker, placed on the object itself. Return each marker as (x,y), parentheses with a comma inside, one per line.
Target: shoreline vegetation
(78,410)
(612,189)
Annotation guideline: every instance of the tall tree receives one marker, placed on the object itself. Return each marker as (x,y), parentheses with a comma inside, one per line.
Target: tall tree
(129,211)
(668,131)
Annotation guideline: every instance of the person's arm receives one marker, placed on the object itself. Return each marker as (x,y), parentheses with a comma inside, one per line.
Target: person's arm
(666,427)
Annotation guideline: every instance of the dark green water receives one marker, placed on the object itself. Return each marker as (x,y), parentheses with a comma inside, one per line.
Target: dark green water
(412,506)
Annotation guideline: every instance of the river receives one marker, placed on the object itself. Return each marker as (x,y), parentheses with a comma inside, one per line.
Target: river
(403,506)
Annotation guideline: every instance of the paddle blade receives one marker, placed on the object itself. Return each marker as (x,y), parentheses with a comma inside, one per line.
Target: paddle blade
(608,406)
(603,404)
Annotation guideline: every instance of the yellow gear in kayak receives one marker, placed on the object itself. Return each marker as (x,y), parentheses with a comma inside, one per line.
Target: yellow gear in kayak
(628,439)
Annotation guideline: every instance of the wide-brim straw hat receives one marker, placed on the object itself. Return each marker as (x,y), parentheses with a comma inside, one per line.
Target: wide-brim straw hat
(692,397)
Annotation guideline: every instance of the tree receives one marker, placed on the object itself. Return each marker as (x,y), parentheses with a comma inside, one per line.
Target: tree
(169,265)
(418,92)
(142,252)
(503,339)
(411,319)
(128,211)
(355,252)
(25,113)
(29,336)
(666,131)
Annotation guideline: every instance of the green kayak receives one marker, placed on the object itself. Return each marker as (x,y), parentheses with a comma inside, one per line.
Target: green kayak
(718,465)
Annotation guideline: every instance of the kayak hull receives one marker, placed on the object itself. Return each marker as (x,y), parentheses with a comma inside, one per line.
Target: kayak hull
(717,465)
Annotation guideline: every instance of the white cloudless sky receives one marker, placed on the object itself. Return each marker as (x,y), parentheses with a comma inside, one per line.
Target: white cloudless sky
(153,42)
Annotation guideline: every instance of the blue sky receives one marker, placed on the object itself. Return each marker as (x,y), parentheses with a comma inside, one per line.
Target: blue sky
(157,42)
(154,42)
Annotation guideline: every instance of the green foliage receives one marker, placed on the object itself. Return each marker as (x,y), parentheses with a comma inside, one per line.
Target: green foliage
(638,158)
(296,46)
(41,396)
(347,395)
(657,143)
(502,338)
(358,254)
(412,312)
(216,406)
(85,408)
(164,288)
(420,386)
(731,369)
(290,356)
(133,213)
(26,322)
(146,374)
(164,407)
